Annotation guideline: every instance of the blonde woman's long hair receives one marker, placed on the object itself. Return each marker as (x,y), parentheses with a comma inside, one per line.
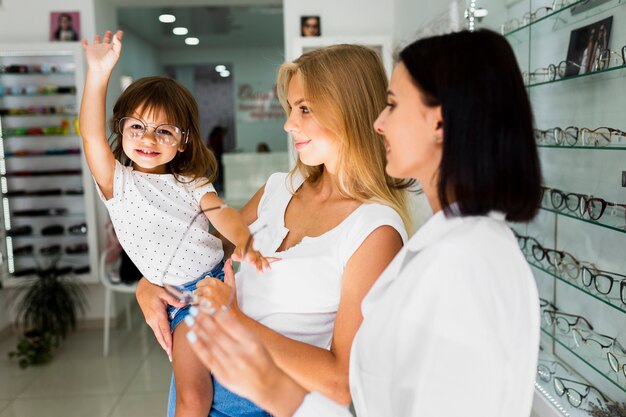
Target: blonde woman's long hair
(347,86)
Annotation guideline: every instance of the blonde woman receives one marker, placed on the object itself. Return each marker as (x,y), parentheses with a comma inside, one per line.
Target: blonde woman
(334,222)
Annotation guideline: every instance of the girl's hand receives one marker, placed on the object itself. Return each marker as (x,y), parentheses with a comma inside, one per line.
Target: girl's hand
(103,55)
(153,301)
(254,258)
(218,293)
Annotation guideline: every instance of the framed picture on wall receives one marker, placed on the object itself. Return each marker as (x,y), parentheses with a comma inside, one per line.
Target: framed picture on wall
(587,45)
(310,26)
(65,26)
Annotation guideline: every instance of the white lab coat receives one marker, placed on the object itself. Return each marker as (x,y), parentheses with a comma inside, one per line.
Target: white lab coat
(450,329)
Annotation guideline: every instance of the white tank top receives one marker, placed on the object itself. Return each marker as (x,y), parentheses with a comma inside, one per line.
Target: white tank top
(299,296)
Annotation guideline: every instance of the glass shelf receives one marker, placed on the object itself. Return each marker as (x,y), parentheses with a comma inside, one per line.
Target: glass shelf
(41,115)
(54,135)
(596,223)
(598,364)
(573,77)
(557,367)
(38,95)
(40,236)
(44,154)
(615,303)
(61,253)
(26,216)
(596,148)
(34,74)
(549,15)
(41,174)
(43,195)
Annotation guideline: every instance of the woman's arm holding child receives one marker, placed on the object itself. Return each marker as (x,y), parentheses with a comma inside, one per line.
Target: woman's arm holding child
(101,58)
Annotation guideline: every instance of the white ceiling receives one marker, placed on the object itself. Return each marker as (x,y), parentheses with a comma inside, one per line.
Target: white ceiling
(215,26)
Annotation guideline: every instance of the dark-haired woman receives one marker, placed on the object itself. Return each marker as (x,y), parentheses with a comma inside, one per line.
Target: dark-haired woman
(451,328)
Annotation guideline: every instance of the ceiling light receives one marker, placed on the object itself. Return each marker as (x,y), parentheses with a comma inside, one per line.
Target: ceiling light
(192,41)
(225,73)
(180,31)
(220,68)
(167,18)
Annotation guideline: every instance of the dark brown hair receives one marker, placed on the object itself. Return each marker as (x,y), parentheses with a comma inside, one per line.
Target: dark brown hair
(175,101)
(490,159)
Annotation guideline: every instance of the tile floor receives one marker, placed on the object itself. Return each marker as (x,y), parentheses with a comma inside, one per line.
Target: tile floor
(80,382)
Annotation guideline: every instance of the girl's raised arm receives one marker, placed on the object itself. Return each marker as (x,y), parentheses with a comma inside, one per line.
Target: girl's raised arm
(102,55)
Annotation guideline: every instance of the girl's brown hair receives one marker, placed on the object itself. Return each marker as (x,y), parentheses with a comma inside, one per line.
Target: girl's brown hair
(347,87)
(163,95)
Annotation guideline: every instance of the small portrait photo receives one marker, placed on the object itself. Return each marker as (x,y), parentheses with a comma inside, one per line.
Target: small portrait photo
(310,26)
(587,46)
(65,26)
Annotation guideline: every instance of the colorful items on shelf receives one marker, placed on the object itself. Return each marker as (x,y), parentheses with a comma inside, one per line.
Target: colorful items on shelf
(37,69)
(40,110)
(22,90)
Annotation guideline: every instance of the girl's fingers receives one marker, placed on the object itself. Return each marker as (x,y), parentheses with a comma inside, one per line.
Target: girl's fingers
(96,39)
(107,36)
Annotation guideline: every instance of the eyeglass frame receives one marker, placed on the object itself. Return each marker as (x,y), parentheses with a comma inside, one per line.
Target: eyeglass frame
(552,313)
(610,276)
(596,65)
(567,389)
(614,363)
(550,372)
(184,133)
(584,203)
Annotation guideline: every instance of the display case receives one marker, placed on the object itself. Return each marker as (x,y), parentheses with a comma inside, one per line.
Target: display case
(48,209)
(573,58)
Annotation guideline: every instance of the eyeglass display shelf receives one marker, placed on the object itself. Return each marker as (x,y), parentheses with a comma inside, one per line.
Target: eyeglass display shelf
(574,77)
(596,223)
(547,391)
(45,115)
(594,363)
(35,74)
(44,256)
(549,15)
(37,95)
(47,136)
(31,153)
(595,148)
(608,5)
(617,305)
(40,236)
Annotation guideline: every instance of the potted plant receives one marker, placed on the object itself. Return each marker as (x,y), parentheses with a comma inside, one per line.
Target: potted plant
(48,305)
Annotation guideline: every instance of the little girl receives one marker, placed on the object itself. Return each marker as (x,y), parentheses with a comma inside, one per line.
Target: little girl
(153,181)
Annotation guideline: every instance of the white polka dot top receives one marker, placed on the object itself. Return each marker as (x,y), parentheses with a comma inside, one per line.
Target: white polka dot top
(150,214)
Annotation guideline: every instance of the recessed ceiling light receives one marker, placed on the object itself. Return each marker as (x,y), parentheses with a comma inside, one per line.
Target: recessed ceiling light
(167,18)
(225,73)
(180,31)
(220,68)
(192,41)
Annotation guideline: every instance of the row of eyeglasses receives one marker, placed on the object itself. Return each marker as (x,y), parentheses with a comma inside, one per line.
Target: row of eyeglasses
(540,13)
(608,58)
(584,206)
(546,371)
(580,136)
(596,345)
(567,266)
